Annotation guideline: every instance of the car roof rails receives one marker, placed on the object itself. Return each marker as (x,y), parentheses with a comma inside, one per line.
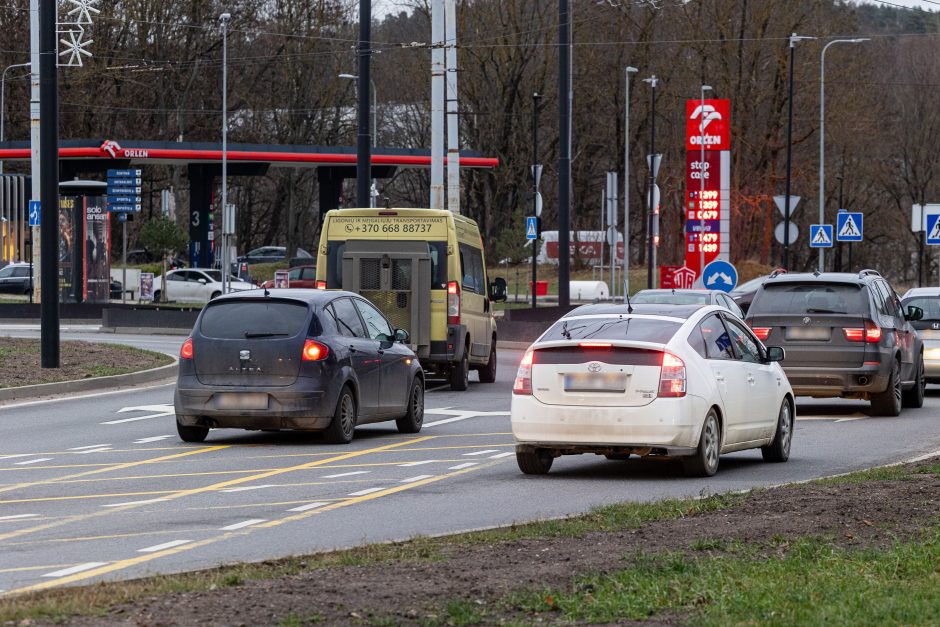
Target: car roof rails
(868,272)
(777,272)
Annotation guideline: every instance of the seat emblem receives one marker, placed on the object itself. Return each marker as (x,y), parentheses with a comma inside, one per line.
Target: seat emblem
(806,320)
(594,366)
(244,355)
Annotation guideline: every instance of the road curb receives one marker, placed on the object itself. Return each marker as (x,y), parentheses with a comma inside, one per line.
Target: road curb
(147,331)
(86,385)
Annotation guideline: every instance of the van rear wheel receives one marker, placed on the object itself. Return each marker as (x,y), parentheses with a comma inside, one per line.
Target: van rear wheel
(460,374)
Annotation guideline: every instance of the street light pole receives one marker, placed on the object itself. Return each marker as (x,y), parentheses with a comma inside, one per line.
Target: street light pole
(373,193)
(822,137)
(363,139)
(786,207)
(3,85)
(535,191)
(224,18)
(651,248)
(701,193)
(626,181)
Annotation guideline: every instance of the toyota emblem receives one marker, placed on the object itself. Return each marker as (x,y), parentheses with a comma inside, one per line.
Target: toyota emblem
(594,366)
(806,320)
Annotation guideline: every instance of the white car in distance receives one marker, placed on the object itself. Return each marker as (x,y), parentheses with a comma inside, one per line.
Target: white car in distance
(688,382)
(195,285)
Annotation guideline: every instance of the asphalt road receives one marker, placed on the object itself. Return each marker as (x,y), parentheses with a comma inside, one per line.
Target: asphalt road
(98,486)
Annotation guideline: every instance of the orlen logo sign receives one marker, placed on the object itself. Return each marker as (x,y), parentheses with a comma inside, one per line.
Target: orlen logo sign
(709,121)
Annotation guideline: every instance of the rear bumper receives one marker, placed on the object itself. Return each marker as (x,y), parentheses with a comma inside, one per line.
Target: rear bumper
(835,382)
(671,426)
(932,360)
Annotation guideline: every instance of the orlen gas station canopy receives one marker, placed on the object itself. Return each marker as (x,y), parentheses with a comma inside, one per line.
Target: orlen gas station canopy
(203,161)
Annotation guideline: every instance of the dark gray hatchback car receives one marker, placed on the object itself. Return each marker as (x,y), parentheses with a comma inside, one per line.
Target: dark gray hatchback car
(845,335)
(296,359)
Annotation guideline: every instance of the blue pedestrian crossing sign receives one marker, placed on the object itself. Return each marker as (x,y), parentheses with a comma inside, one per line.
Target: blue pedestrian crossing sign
(820,236)
(531,227)
(35,213)
(850,225)
(933,229)
(720,275)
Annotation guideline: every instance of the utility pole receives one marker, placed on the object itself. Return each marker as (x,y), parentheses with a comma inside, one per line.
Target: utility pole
(35,248)
(786,207)
(364,138)
(438,59)
(626,181)
(564,156)
(224,18)
(650,231)
(535,190)
(49,183)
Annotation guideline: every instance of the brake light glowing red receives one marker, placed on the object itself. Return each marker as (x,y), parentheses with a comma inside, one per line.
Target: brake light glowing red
(523,382)
(595,344)
(453,303)
(672,380)
(871,333)
(315,351)
(186,350)
(762,333)
(321,285)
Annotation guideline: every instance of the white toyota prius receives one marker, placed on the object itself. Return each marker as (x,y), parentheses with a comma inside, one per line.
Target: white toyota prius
(688,382)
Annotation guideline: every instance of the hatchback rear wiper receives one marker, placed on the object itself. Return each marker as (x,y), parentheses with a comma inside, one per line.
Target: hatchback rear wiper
(250,335)
(830,311)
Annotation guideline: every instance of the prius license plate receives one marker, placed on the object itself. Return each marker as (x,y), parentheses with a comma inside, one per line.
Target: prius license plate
(596,382)
(248,400)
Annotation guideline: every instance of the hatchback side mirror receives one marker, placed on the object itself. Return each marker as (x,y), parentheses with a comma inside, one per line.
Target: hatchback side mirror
(498,290)
(775,353)
(402,336)
(914,313)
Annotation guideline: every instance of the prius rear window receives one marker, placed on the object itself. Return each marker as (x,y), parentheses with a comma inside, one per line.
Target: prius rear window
(613,328)
(253,319)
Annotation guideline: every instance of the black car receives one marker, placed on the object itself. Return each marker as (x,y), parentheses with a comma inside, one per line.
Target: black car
(296,359)
(271,254)
(115,289)
(15,279)
(845,335)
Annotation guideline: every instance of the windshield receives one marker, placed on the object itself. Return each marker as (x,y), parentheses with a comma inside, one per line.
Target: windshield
(668,298)
(613,328)
(809,298)
(930,305)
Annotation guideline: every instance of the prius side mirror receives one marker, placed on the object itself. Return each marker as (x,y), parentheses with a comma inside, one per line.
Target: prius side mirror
(775,353)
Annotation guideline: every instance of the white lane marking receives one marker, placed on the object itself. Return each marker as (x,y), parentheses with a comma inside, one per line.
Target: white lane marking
(32,461)
(308,506)
(417,478)
(366,491)
(146,502)
(244,523)
(439,387)
(136,418)
(246,488)
(499,455)
(155,438)
(74,569)
(164,407)
(410,464)
(462,466)
(17,516)
(93,450)
(17,455)
(851,419)
(71,398)
(82,448)
(474,453)
(346,474)
(165,545)
(459,415)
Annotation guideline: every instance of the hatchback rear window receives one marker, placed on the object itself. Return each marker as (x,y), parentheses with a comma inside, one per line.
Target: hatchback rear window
(248,319)
(613,328)
(809,298)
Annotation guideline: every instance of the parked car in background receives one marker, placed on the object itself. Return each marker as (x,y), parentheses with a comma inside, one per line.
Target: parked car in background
(116,289)
(846,335)
(296,359)
(15,278)
(928,327)
(270,254)
(691,383)
(194,285)
(687,297)
(300,276)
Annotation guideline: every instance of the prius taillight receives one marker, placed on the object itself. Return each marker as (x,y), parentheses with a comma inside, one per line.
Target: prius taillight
(672,377)
(523,382)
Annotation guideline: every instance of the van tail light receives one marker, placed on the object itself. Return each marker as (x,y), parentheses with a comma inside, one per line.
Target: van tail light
(315,351)
(321,285)
(871,333)
(523,382)
(762,333)
(672,377)
(186,350)
(453,303)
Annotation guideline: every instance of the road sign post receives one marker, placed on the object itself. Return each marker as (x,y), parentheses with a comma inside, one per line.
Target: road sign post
(532,234)
(787,210)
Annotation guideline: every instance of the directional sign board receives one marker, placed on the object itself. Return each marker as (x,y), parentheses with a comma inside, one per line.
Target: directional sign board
(820,236)
(850,225)
(124,189)
(720,275)
(531,228)
(35,213)
(933,228)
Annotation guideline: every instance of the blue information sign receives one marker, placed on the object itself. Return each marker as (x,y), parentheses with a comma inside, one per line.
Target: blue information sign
(850,225)
(820,236)
(112,174)
(35,213)
(933,229)
(531,227)
(720,275)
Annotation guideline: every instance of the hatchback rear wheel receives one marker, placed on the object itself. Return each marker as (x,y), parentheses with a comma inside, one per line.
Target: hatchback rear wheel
(191,433)
(888,403)
(704,463)
(411,422)
(343,425)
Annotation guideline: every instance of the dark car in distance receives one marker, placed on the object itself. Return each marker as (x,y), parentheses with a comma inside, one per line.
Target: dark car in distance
(15,278)
(296,359)
(270,254)
(845,335)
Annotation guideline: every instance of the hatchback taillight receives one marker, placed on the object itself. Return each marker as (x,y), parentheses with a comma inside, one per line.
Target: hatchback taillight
(315,351)
(672,377)
(453,303)
(523,382)
(186,350)
(871,333)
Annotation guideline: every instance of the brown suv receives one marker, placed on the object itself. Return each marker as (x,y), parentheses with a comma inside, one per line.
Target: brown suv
(845,335)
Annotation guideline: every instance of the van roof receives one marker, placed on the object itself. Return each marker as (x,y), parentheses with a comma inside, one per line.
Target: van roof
(414,211)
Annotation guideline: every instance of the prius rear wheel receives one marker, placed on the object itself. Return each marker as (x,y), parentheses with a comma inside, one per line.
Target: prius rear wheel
(704,463)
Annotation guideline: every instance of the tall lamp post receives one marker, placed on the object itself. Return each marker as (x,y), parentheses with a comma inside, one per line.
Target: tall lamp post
(224,18)
(3,86)
(701,188)
(375,125)
(786,207)
(822,136)
(650,231)
(626,180)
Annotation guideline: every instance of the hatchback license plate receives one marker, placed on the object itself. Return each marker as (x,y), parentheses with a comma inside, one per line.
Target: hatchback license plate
(596,382)
(816,334)
(247,400)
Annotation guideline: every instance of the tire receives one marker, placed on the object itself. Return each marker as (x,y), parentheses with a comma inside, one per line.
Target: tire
(343,425)
(888,403)
(157,296)
(191,433)
(704,463)
(537,462)
(488,372)
(914,397)
(411,422)
(460,374)
(779,450)
(215,295)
